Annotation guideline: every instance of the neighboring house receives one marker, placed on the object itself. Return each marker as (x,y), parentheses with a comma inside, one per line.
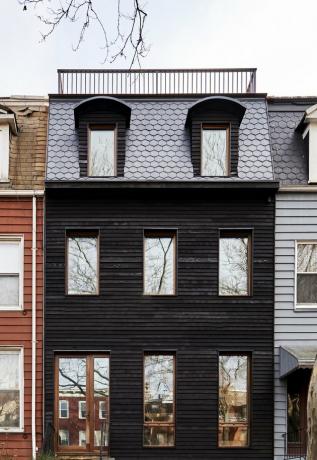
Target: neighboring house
(293,129)
(160,208)
(23,139)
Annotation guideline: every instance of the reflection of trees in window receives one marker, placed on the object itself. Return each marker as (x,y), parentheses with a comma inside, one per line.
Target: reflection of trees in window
(72,376)
(158,400)
(214,152)
(101,151)
(10,389)
(159,265)
(307,273)
(233,401)
(233,266)
(82,265)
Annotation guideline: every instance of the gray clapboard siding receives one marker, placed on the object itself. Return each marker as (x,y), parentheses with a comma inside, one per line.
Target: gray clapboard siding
(296,219)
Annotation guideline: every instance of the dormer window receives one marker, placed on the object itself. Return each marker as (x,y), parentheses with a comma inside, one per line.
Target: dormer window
(102,151)
(8,126)
(215,150)
(308,127)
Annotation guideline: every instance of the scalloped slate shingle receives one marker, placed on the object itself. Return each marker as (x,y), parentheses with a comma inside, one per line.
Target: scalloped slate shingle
(157,144)
(288,149)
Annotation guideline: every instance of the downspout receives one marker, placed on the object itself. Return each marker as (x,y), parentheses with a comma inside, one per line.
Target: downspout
(34,448)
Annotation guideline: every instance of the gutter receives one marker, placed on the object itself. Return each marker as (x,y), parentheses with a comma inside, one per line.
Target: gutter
(17,193)
(298,188)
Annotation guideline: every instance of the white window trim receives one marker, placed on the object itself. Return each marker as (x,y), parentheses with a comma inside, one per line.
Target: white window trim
(20,239)
(60,410)
(79,410)
(301,306)
(81,437)
(19,429)
(100,410)
(67,437)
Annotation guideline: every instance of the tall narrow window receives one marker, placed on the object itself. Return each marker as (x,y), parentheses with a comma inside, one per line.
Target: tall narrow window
(215,157)
(159,400)
(11,389)
(234,263)
(101,154)
(63,409)
(11,273)
(233,401)
(306,274)
(4,151)
(159,263)
(82,263)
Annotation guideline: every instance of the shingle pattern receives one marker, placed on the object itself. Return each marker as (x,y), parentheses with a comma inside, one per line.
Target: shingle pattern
(157,144)
(288,148)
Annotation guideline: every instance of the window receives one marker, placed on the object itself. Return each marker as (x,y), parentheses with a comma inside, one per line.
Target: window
(63,409)
(82,438)
(11,272)
(63,437)
(101,153)
(159,400)
(234,263)
(102,410)
(233,401)
(306,276)
(4,152)
(11,389)
(81,409)
(82,263)
(159,263)
(215,155)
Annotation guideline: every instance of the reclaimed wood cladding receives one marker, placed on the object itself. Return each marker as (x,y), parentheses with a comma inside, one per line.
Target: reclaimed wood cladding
(196,324)
(201,117)
(16,326)
(101,117)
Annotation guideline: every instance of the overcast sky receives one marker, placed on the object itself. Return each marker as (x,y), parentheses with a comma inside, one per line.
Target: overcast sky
(276,36)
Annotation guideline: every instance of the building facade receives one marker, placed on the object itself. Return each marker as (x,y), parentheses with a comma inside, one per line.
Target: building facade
(159,313)
(23,139)
(292,127)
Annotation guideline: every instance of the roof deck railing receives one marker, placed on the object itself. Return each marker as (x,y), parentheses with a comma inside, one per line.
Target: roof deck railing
(157,81)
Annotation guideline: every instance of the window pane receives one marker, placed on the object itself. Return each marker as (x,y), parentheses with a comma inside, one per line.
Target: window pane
(101,399)
(233,401)
(82,265)
(63,409)
(82,409)
(10,257)
(9,290)
(159,436)
(101,151)
(233,266)
(307,289)
(307,258)
(159,265)
(214,152)
(9,389)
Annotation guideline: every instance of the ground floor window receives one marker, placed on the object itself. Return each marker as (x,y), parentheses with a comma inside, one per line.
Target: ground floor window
(82,387)
(11,389)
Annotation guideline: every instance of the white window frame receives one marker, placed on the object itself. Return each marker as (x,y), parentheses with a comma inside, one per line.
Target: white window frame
(79,410)
(4,152)
(82,438)
(8,350)
(16,238)
(302,306)
(100,410)
(60,410)
(64,431)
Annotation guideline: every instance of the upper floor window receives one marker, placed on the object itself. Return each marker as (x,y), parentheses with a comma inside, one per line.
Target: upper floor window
(4,152)
(11,390)
(234,263)
(11,272)
(159,262)
(102,151)
(63,408)
(306,274)
(215,150)
(82,263)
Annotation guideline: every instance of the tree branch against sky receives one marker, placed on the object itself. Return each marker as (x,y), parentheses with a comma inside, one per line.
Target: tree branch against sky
(122,32)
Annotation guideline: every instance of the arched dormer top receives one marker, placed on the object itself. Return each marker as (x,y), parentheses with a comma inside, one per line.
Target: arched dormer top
(105,103)
(217,104)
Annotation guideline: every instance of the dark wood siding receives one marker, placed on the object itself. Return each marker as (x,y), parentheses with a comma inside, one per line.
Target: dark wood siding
(196,324)
(217,118)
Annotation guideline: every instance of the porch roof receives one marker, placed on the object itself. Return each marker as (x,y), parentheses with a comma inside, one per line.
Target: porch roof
(296,357)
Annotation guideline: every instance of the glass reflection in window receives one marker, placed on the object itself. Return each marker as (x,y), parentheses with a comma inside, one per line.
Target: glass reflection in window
(10,389)
(215,156)
(82,264)
(307,273)
(102,152)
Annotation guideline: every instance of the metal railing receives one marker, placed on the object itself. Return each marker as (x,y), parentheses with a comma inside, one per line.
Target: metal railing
(295,445)
(157,81)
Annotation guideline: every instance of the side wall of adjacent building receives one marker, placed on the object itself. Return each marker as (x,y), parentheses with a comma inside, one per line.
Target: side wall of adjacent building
(296,219)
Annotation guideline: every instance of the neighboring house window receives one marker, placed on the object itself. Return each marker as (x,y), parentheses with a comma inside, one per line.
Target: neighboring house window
(215,154)
(82,409)
(63,409)
(4,152)
(11,272)
(82,438)
(102,151)
(159,400)
(82,263)
(159,263)
(234,263)
(63,437)
(11,390)
(234,396)
(306,274)
(102,410)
